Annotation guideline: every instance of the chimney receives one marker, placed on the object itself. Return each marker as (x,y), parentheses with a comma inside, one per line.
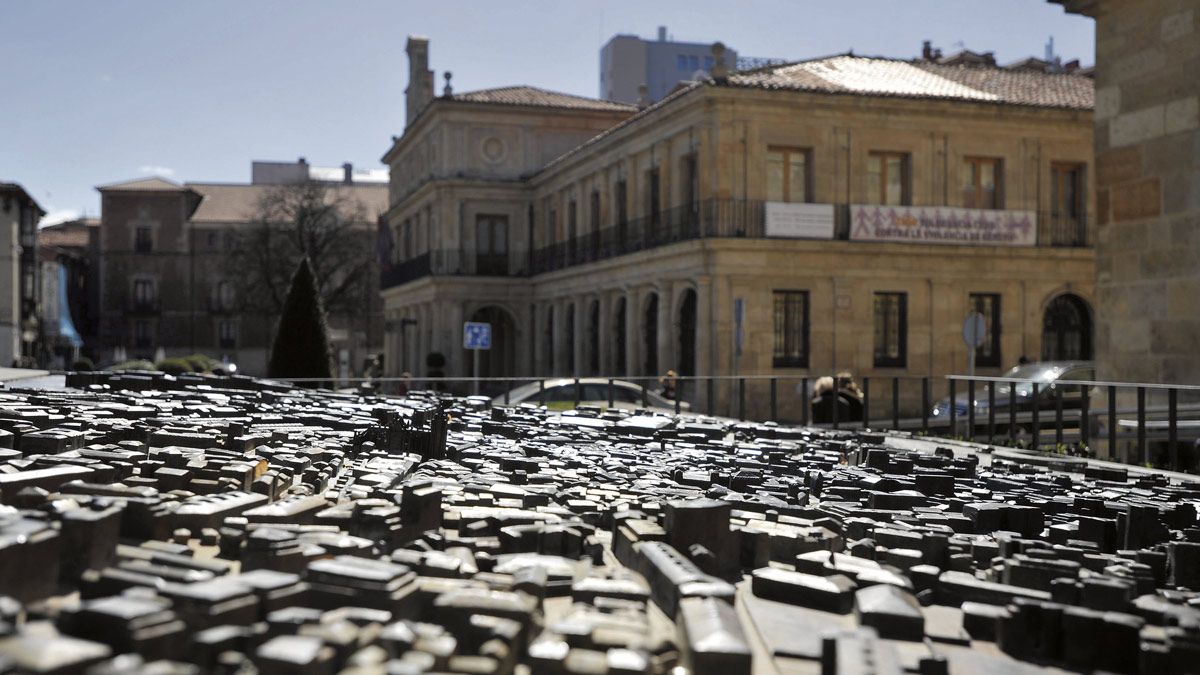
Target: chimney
(927,50)
(643,96)
(719,72)
(662,33)
(347,173)
(420,78)
(302,161)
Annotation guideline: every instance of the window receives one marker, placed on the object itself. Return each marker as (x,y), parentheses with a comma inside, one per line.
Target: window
(791,329)
(987,355)
(143,239)
(142,338)
(787,175)
(594,203)
(888,179)
(891,330)
(981,178)
(223,296)
(572,228)
(491,245)
(621,199)
(408,240)
(143,294)
(1066,204)
(691,184)
(226,335)
(212,240)
(653,197)
(681,62)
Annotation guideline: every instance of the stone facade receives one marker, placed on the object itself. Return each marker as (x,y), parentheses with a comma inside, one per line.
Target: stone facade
(627,255)
(19,276)
(1147,188)
(164,291)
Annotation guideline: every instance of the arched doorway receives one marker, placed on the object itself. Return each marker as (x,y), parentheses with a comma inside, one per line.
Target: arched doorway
(650,336)
(593,338)
(619,349)
(501,358)
(1067,329)
(686,365)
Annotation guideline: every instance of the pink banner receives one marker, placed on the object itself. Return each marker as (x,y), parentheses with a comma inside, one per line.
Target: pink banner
(942,225)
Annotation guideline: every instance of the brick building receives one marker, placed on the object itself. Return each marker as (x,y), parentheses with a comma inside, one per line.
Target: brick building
(166,288)
(852,210)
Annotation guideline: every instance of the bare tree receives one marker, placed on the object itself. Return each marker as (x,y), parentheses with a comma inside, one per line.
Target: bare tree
(322,222)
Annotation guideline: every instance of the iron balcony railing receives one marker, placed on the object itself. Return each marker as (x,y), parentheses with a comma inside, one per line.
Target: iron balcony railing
(707,219)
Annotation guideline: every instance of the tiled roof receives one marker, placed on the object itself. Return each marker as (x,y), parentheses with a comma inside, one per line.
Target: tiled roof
(72,234)
(540,98)
(153,184)
(923,79)
(238,202)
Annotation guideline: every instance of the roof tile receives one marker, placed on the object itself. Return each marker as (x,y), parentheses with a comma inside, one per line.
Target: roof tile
(923,79)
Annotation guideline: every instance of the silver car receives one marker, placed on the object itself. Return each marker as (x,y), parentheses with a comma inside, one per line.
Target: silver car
(560,394)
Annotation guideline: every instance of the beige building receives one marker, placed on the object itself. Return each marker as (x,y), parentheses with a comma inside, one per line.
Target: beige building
(166,288)
(843,213)
(1147,145)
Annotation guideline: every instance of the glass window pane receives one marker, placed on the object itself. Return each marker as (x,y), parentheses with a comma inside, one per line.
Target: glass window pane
(775,176)
(874,179)
(969,177)
(895,174)
(483,238)
(797,177)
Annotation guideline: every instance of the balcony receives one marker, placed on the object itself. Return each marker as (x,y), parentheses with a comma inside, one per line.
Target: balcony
(142,307)
(715,219)
(452,263)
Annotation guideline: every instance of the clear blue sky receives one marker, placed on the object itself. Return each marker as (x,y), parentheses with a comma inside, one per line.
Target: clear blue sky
(98,92)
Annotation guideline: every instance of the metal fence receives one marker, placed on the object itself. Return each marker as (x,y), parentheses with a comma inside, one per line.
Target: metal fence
(1138,423)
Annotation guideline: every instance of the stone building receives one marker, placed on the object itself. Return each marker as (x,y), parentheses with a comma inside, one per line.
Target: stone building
(842,213)
(166,288)
(1147,145)
(19,216)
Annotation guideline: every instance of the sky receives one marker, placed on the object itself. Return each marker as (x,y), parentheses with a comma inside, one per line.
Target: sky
(101,92)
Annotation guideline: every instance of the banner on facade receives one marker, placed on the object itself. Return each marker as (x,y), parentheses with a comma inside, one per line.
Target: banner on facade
(799,221)
(942,225)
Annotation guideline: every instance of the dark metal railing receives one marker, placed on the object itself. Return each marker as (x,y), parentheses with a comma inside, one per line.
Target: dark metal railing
(1133,423)
(707,219)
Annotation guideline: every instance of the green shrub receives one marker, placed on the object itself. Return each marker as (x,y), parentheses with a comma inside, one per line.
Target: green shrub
(177,366)
(83,363)
(301,347)
(201,363)
(135,364)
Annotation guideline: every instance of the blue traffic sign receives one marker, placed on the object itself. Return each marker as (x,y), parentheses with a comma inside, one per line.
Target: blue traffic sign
(477,335)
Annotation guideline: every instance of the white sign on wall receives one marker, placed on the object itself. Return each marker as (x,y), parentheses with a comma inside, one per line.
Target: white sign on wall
(942,225)
(799,221)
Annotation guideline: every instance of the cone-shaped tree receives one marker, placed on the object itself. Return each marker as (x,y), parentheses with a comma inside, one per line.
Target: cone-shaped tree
(301,347)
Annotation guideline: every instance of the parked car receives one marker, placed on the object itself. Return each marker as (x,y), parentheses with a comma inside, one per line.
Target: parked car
(560,394)
(1046,374)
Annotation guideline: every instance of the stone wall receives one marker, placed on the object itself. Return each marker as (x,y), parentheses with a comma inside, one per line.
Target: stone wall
(1148,190)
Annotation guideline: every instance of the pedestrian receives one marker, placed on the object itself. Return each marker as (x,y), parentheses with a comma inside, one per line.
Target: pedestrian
(670,385)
